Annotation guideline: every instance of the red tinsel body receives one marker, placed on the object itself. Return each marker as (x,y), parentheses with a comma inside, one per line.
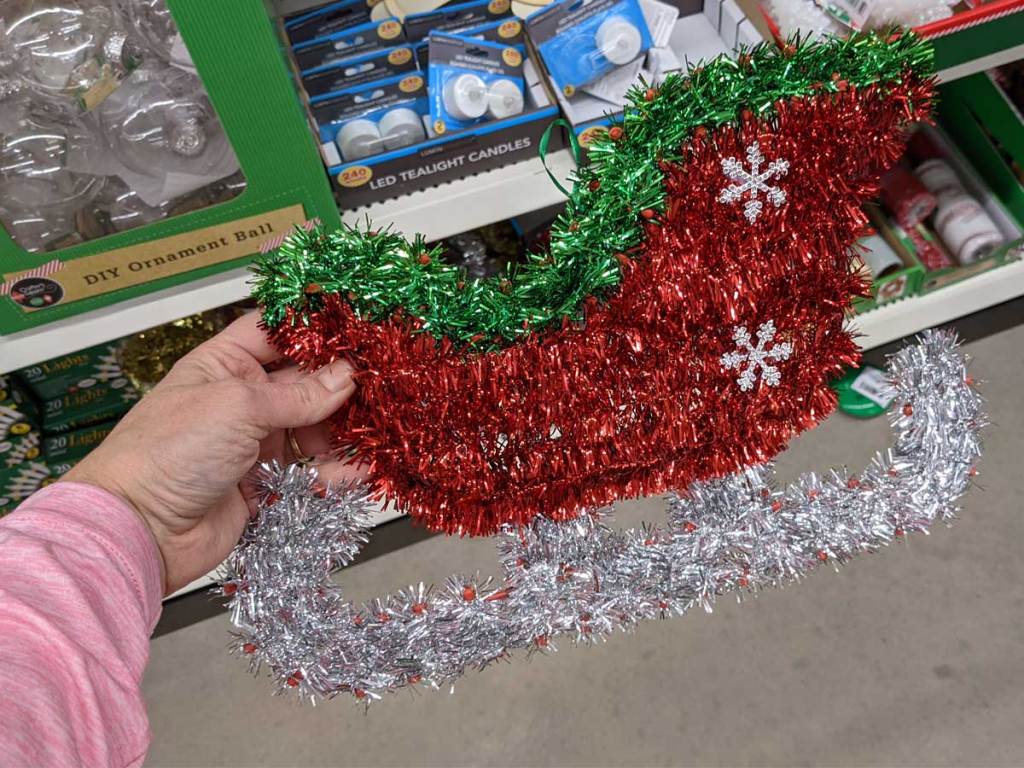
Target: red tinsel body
(634,400)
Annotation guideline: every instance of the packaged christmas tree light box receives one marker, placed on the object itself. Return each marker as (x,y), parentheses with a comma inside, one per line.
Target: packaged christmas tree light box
(472,81)
(131,157)
(63,451)
(84,407)
(347,43)
(75,372)
(19,438)
(682,34)
(19,482)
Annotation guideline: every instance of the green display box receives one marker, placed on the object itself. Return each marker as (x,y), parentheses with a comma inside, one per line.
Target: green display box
(968,145)
(897,285)
(62,452)
(75,372)
(238,56)
(86,406)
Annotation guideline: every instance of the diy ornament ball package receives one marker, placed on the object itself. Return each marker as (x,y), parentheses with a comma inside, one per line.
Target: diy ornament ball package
(682,326)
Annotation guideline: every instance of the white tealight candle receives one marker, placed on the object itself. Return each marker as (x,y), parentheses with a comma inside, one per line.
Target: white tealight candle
(401,127)
(358,139)
(465,97)
(504,99)
(618,41)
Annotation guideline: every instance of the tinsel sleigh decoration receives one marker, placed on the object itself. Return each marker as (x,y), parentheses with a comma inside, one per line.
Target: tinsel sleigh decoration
(682,326)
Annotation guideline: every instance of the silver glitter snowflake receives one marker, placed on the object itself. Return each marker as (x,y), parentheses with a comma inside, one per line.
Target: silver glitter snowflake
(753,181)
(757,357)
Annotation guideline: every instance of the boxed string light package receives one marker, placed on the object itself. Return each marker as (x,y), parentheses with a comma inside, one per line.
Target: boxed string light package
(131,158)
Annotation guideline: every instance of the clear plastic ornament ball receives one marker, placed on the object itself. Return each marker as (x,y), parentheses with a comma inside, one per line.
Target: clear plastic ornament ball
(50,42)
(161,121)
(152,22)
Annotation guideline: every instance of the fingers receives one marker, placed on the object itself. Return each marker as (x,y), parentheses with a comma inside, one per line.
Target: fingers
(238,352)
(305,401)
(245,334)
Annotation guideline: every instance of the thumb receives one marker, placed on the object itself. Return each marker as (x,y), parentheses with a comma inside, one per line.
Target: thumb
(308,400)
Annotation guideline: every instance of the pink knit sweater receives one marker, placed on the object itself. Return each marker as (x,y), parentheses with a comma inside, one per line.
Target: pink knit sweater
(79,596)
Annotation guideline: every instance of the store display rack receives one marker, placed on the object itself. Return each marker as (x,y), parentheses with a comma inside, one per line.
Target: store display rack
(990,35)
(441,211)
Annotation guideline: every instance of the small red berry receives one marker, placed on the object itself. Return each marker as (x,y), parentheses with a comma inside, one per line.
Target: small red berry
(648,213)
(413,679)
(273,498)
(812,495)
(313,288)
(689,526)
(248,648)
(230,589)
(649,94)
(743,581)
(662,604)
(615,133)
(972,472)
(293,681)
(594,185)
(898,531)
(469,593)
(541,641)
(359,693)
(700,132)
(853,482)
(419,608)
(908,409)
(823,556)
(776,505)
(424,259)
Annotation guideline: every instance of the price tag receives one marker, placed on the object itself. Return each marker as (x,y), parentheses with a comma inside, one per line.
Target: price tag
(872,384)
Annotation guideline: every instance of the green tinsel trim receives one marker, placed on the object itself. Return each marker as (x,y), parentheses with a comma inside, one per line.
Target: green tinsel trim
(382,272)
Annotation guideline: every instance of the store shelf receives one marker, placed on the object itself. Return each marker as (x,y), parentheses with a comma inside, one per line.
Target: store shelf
(903,318)
(972,41)
(471,202)
(384,515)
(435,213)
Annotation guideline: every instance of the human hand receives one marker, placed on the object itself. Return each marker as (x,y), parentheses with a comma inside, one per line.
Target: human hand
(182,455)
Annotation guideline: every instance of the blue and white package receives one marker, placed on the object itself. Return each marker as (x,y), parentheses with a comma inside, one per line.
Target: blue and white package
(454,17)
(326,20)
(581,41)
(375,65)
(471,81)
(373,118)
(339,46)
(502,31)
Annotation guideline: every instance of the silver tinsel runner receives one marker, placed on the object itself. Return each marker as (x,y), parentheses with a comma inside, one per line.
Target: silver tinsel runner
(582,579)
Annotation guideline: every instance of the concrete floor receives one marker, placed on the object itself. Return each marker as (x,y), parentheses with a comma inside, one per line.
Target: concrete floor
(913,656)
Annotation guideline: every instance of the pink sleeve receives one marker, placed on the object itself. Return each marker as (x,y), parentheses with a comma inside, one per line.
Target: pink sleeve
(79,596)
